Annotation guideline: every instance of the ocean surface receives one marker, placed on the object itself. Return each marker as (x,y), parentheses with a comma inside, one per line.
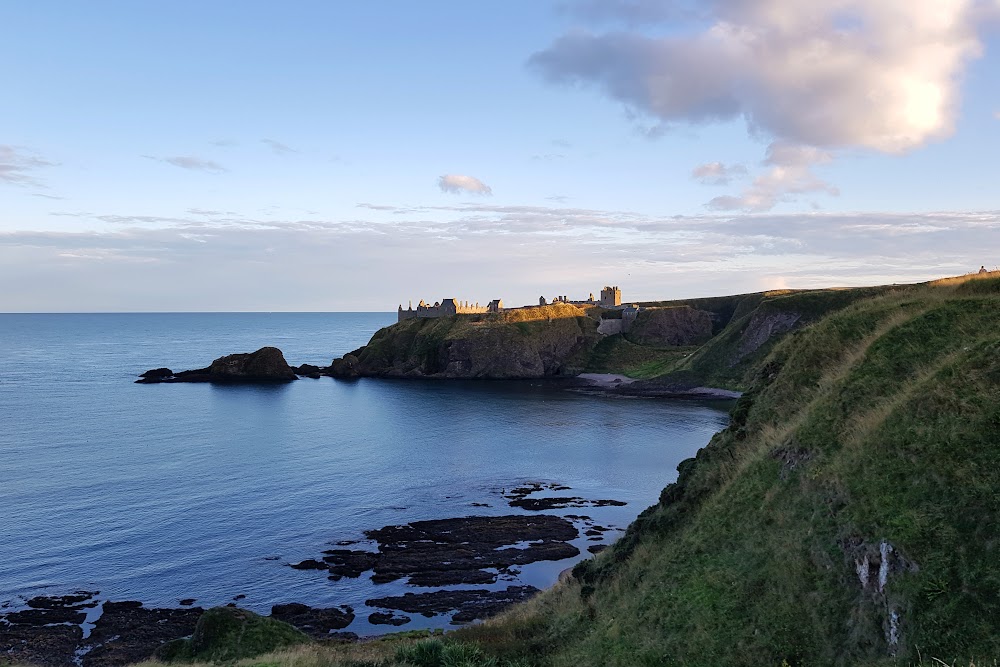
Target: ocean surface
(163,492)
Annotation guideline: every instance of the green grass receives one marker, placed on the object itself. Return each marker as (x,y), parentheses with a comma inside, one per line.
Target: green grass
(616,354)
(226,634)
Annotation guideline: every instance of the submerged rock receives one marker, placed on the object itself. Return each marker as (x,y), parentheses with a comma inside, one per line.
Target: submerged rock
(518,497)
(265,365)
(442,552)
(380,618)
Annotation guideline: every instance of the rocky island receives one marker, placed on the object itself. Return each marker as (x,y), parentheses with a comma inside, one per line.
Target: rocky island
(265,365)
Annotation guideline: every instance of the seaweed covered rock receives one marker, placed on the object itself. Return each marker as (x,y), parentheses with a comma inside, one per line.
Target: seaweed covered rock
(225,634)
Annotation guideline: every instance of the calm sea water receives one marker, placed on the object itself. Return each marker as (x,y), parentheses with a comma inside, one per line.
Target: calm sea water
(163,492)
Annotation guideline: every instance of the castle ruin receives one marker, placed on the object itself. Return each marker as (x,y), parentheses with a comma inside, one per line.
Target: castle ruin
(611,297)
(446,308)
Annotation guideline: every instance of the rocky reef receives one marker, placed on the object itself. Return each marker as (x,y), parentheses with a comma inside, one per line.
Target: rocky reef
(265,365)
(443,552)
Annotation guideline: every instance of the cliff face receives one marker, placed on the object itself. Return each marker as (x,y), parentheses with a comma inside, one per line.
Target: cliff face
(665,327)
(672,344)
(519,344)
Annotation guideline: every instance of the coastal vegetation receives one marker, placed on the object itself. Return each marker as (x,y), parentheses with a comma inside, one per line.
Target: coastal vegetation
(848,515)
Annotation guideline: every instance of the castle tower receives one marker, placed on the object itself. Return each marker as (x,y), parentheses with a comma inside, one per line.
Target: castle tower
(611,296)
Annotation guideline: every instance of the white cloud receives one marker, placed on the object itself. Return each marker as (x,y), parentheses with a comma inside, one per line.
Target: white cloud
(716,173)
(17,165)
(457,184)
(834,73)
(830,74)
(996,115)
(145,261)
(790,172)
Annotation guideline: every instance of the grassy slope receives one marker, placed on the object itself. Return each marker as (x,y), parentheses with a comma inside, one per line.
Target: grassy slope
(890,411)
(880,421)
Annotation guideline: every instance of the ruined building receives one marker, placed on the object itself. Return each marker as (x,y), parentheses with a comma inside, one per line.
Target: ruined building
(446,308)
(611,296)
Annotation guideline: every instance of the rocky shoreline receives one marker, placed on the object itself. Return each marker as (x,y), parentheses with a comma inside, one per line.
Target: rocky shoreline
(486,552)
(267,365)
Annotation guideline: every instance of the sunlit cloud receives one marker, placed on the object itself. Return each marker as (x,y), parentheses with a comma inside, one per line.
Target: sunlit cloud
(716,173)
(789,172)
(830,74)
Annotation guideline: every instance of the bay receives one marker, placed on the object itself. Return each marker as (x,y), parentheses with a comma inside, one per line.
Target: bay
(163,492)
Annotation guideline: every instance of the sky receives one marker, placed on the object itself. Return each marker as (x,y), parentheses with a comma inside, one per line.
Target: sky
(319,156)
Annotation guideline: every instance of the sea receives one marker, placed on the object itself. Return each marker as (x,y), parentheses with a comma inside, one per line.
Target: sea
(163,492)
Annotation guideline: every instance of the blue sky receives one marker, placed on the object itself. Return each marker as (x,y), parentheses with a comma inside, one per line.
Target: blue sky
(352,156)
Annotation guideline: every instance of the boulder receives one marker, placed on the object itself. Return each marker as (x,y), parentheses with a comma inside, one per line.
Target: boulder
(267,363)
(307,370)
(344,367)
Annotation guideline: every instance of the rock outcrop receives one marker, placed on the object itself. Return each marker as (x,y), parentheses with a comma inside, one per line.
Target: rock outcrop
(265,365)
(554,342)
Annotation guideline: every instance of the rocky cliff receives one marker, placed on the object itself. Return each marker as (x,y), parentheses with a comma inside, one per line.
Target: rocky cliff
(665,327)
(539,342)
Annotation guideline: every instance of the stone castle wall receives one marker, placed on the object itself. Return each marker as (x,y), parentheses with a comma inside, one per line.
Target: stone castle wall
(446,308)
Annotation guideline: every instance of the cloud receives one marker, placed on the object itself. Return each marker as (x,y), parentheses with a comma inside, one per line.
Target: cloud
(828,74)
(457,184)
(191,162)
(17,165)
(151,262)
(716,173)
(790,172)
(996,114)
(278,147)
